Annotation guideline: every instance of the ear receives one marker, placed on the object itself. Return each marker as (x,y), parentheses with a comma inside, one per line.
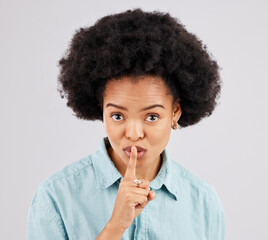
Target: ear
(176,110)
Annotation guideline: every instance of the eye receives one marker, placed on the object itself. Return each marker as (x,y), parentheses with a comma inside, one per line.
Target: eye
(116,116)
(152,117)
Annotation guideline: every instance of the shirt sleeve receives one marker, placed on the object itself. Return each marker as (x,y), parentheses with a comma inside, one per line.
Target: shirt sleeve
(217,223)
(44,223)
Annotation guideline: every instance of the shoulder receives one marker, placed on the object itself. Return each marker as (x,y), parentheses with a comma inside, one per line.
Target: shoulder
(67,179)
(202,200)
(69,170)
(192,183)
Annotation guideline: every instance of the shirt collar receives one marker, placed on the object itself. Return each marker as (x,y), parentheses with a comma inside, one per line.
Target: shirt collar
(107,174)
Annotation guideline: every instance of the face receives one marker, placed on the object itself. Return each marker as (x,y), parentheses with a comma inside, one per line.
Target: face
(138,113)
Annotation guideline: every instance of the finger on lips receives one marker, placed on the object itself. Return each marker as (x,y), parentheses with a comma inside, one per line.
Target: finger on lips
(131,167)
(130,173)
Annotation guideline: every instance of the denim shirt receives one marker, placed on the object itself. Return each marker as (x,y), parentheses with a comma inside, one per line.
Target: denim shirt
(77,202)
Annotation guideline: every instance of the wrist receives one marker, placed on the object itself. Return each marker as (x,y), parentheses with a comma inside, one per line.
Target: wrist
(114,228)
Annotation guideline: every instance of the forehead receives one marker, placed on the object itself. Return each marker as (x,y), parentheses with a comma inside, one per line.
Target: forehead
(144,87)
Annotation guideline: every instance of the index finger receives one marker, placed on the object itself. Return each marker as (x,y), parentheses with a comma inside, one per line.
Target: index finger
(131,167)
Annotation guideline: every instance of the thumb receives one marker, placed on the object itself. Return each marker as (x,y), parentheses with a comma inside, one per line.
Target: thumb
(151,195)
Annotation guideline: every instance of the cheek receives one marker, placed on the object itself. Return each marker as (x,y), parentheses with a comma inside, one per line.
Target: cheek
(113,131)
(160,135)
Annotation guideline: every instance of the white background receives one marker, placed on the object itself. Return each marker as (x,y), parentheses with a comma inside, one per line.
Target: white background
(40,135)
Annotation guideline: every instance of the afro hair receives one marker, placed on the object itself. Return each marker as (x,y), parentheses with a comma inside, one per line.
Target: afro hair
(136,43)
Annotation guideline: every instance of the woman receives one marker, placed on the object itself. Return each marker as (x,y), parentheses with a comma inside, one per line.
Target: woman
(142,74)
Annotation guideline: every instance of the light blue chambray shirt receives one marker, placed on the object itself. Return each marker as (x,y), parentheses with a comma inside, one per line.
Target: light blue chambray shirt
(77,202)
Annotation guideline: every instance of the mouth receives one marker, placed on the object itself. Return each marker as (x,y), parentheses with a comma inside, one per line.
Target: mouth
(140,151)
(139,154)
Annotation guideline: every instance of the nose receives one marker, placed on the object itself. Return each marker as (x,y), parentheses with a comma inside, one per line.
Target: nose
(134,131)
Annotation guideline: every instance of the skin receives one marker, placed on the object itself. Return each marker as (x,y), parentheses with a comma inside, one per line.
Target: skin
(149,129)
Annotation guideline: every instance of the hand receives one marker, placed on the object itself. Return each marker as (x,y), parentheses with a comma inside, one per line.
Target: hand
(130,199)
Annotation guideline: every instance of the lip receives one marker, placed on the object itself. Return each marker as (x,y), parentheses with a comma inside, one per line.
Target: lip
(140,151)
(139,154)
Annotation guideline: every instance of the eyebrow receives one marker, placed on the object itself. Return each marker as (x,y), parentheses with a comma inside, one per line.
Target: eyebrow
(124,108)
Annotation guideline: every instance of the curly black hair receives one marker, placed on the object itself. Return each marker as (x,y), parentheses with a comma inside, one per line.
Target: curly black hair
(137,43)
